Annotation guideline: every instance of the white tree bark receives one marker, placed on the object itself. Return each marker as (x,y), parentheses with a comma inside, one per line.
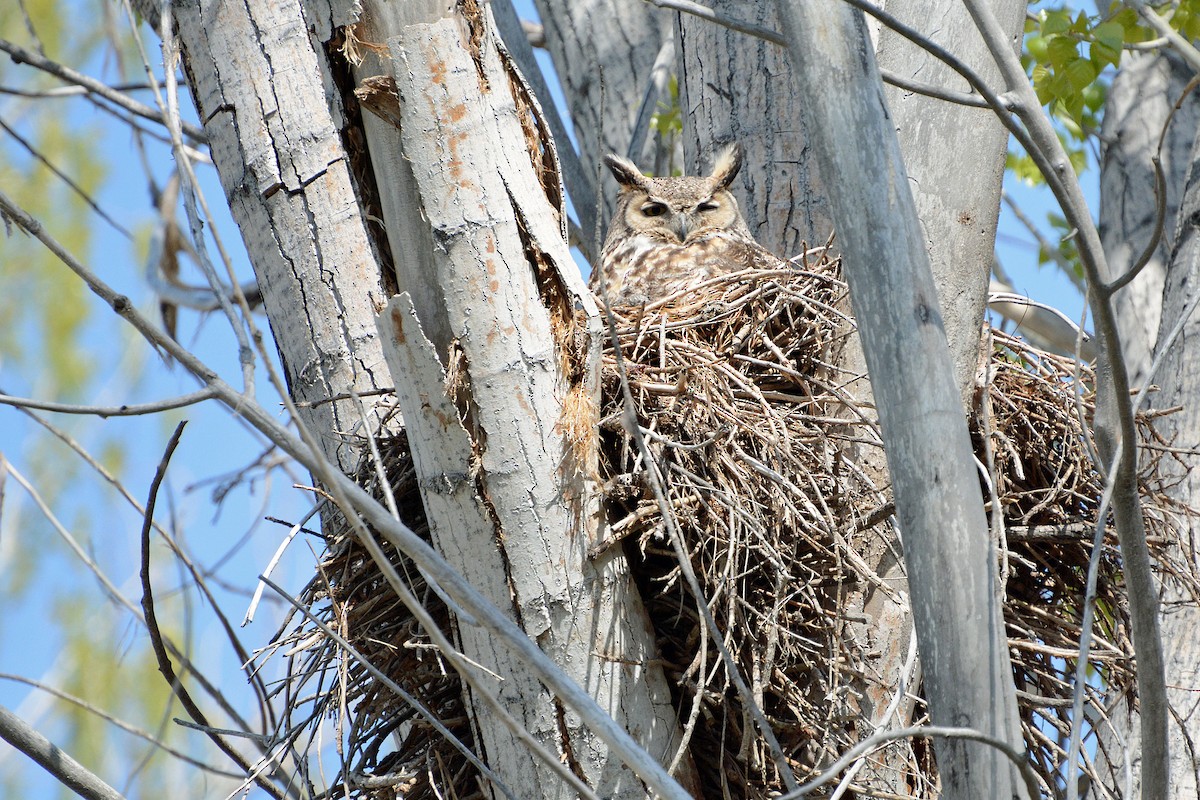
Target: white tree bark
(273,119)
(525,509)
(968,678)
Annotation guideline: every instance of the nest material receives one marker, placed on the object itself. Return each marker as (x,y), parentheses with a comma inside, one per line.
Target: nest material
(768,465)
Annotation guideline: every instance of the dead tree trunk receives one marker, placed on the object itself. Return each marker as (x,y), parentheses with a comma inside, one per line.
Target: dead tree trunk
(498,289)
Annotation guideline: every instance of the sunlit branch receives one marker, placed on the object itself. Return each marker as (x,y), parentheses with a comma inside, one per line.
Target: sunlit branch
(24,737)
(22,56)
(119,723)
(123,410)
(1181,45)
(883,737)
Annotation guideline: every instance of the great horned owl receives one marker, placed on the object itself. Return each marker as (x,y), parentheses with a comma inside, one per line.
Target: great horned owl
(672,233)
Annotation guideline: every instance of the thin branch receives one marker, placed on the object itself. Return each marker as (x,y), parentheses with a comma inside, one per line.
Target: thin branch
(776,38)
(416,704)
(69,91)
(156,641)
(1045,244)
(1178,43)
(1160,215)
(104,412)
(883,737)
(69,772)
(119,723)
(65,178)
(22,56)
(192,195)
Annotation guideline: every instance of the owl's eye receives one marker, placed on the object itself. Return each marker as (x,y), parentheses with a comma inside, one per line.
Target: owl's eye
(708,205)
(654,209)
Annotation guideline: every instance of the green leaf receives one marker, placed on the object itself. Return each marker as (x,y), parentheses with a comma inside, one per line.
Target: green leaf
(1055,21)
(1062,50)
(1038,47)
(1080,73)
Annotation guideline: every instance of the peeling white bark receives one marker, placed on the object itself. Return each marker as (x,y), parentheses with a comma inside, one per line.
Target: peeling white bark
(480,194)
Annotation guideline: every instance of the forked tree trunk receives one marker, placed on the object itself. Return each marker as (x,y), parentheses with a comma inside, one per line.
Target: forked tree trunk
(491,273)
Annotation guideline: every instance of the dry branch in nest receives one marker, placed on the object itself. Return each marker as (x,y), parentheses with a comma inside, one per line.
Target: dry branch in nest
(736,389)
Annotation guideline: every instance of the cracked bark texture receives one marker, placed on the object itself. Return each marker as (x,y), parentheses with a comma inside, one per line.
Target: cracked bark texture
(533,508)
(264,94)
(616,40)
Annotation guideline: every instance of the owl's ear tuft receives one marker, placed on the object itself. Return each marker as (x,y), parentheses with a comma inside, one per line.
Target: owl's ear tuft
(726,167)
(626,172)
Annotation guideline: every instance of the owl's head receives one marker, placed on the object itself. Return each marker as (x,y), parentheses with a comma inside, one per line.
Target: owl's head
(676,210)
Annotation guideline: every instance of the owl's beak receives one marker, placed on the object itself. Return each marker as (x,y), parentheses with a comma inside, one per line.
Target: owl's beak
(680,225)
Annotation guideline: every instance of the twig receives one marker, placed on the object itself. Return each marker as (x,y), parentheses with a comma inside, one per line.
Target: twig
(69,772)
(65,178)
(1178,43)
(420,708)
(1114,426)
(882,737)
(125,726)
(108,586)
(22,56)
(1160,200)
(104,412)
(156,641)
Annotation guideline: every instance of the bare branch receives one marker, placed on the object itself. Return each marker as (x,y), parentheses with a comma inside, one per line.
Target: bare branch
(1178,43)
(104,412)
(156,640)
(883,737)
(1114,427)
(774,37)
(22,56)
(65,178)
(66,770)
(125,726)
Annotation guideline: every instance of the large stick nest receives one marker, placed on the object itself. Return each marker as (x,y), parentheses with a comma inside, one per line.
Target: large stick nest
(773,475)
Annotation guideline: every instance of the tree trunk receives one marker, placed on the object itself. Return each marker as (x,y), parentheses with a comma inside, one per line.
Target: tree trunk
(536,510)
(278,145)
(734,87)
(954,156)
(1139,103)
(1135,114)
(278,148)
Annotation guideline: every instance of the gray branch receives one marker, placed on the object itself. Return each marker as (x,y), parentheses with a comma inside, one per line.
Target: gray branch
(69,772)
